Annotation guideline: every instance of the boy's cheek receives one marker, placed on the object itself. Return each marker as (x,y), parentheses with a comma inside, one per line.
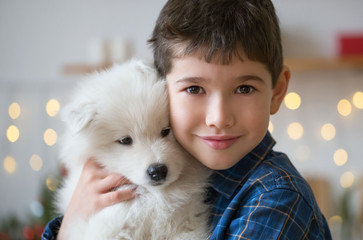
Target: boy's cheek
(178,113)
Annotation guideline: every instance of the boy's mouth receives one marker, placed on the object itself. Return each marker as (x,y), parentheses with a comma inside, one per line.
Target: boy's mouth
(219,142)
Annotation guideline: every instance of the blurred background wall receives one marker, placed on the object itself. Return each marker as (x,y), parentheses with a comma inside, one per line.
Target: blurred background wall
(46,46)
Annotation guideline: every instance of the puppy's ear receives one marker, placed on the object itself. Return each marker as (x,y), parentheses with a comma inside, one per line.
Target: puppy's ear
(142,67)
(79,114)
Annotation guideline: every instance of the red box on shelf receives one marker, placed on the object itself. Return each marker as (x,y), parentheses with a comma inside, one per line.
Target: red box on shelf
(351,45)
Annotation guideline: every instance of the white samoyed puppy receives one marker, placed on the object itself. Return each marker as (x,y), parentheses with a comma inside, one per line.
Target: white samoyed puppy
(120,117)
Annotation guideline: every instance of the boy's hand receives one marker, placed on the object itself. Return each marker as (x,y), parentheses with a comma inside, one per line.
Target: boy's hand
(93,193)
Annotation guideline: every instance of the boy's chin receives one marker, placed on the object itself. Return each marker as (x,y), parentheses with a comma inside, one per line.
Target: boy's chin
(220,163)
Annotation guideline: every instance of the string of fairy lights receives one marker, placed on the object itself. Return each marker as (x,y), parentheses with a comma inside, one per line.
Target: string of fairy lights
(13,134)
(294,130)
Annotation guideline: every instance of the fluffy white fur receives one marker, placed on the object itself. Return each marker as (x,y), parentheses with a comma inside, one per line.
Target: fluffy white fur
(130,101)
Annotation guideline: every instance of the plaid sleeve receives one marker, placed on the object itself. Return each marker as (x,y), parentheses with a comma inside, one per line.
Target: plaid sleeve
(51,230)
(276,214)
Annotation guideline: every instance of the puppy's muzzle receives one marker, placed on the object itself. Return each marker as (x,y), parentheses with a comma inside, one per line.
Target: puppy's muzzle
(157,173)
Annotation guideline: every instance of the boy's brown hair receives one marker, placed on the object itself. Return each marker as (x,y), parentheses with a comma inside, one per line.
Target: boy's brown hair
(218,29)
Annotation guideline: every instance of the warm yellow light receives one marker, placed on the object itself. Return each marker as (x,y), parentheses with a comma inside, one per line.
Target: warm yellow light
(335,219)
(270,127)
(9,164)
(295,131)
(14,110)
(358,100)
(292,100)
(52,107)
(51,183)
(50,137)
(328,131)
(347,179)
(340,157)
(36,162)
(12,133)
(344,107)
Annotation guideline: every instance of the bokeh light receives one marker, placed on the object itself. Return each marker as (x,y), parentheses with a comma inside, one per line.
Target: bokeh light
(50,137)
(36,208)
(12,133)
(36,162)
(340,157)
(295,131)
(292,100)
(9,164)
(52,183)
(52,107)
(347,179)
(358,100)
(14,110)
(344,107)
(335,219)
(328,131)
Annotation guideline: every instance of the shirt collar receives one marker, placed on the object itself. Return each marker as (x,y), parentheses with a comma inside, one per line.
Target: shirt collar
(227,181)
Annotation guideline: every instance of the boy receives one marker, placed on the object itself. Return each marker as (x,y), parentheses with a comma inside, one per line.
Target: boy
(222,60)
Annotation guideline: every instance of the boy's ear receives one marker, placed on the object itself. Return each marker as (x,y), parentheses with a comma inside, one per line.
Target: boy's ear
(79,114)
(280,89)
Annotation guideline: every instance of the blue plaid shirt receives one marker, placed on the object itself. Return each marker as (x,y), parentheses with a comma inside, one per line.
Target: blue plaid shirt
(262,197)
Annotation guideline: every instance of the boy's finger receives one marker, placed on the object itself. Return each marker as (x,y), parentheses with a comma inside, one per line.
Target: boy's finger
(112,181)
(92,167)
(112,198)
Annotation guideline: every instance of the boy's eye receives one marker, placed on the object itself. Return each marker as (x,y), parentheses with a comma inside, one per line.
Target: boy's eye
(194,90)
(125,140)
(245,89)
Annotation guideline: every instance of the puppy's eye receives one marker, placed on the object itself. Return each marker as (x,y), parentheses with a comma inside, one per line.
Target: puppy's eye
(165,132)
(125,140)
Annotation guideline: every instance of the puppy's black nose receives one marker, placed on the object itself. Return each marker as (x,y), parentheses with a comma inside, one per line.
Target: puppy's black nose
(157,172)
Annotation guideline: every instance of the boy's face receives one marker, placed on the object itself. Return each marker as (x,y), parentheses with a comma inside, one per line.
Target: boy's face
(219,113)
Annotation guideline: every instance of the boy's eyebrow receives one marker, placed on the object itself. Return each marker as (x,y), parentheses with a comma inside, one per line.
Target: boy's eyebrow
(250,77)
(198,80)
(191,80)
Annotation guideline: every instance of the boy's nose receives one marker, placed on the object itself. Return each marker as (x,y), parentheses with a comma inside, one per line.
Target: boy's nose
(219,114)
